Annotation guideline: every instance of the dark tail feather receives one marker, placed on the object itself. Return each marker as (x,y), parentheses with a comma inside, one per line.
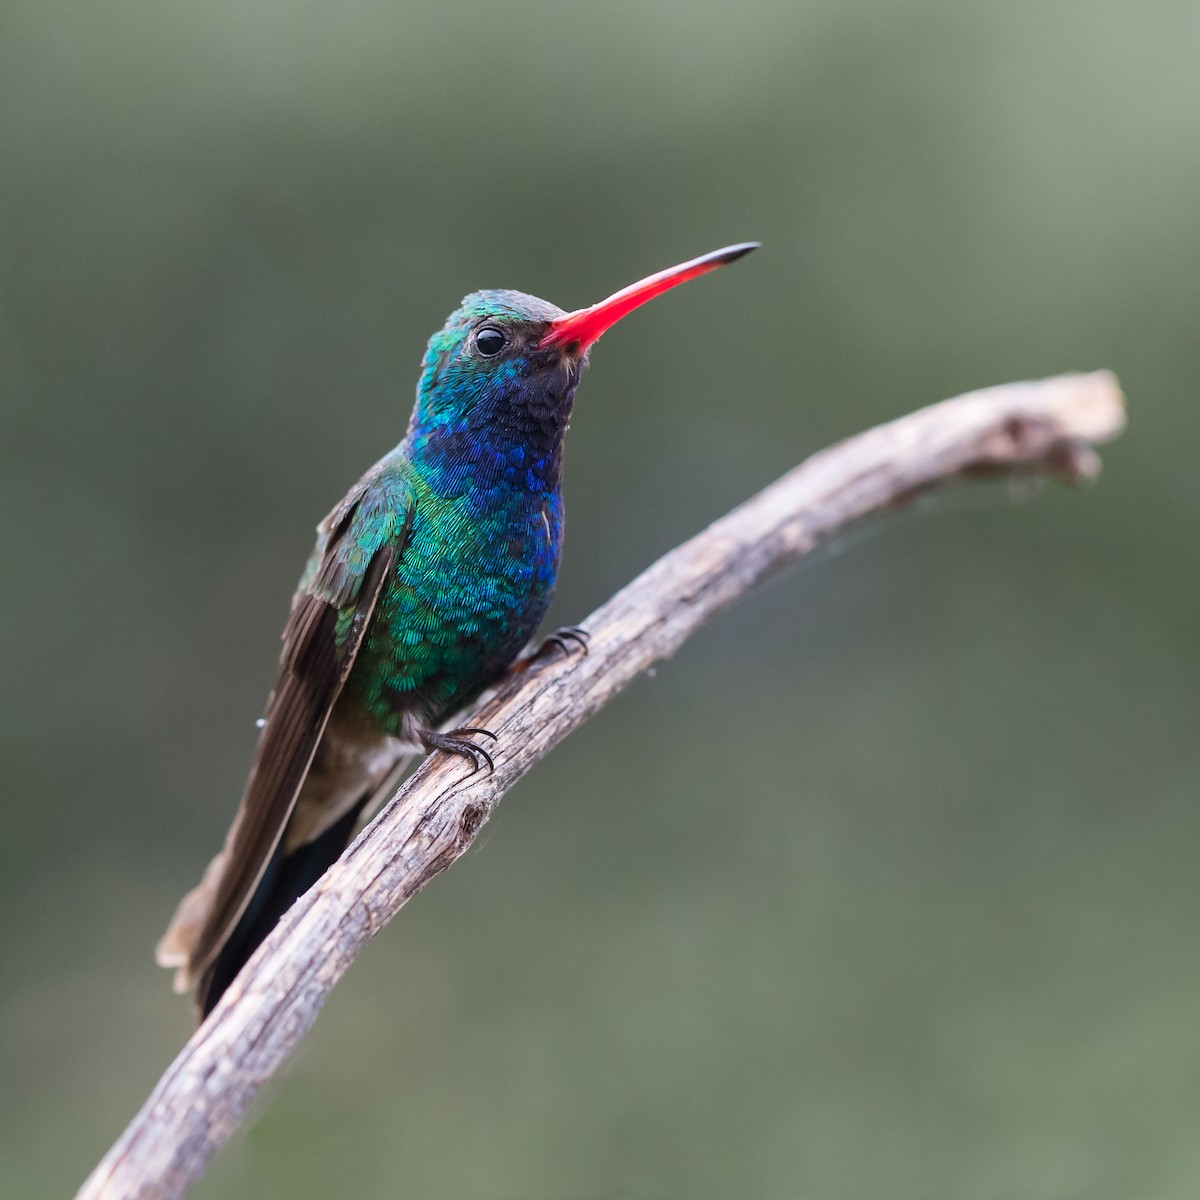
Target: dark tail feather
(285,880)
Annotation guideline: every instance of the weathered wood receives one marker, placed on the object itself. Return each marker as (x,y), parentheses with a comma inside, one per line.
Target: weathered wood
(1044,427)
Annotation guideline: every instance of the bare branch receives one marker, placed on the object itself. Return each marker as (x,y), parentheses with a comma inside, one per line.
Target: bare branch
(1045,427)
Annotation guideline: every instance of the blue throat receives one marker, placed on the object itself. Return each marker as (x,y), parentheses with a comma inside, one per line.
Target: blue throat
(508,438)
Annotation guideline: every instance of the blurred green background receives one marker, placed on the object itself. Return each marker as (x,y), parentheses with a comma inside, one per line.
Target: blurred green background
(887,885)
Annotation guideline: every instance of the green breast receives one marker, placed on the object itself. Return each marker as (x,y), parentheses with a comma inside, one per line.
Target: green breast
(469,590)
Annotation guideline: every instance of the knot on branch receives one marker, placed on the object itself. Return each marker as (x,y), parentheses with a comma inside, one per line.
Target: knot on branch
(468,824)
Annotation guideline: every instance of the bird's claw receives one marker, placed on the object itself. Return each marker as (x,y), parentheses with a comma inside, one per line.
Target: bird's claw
(458,741)
(568,639)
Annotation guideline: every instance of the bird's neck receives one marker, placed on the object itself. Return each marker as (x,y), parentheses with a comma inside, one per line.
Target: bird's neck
(508,443)
(498,462)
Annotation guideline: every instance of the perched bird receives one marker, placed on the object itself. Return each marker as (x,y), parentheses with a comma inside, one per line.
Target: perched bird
(426,582)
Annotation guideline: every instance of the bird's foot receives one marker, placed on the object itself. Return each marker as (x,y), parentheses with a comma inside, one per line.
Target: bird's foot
(458,741)
(568,639)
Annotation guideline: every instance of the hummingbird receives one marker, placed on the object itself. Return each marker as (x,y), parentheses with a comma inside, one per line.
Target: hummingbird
(425,584)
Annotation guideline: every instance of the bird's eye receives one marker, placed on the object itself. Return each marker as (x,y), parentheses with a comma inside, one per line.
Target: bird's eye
(489,341)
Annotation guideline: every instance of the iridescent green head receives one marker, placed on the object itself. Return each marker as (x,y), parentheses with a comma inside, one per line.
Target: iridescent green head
(487,374)
(502,371)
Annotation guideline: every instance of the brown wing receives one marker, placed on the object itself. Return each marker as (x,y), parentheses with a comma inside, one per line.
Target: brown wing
(314,666)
